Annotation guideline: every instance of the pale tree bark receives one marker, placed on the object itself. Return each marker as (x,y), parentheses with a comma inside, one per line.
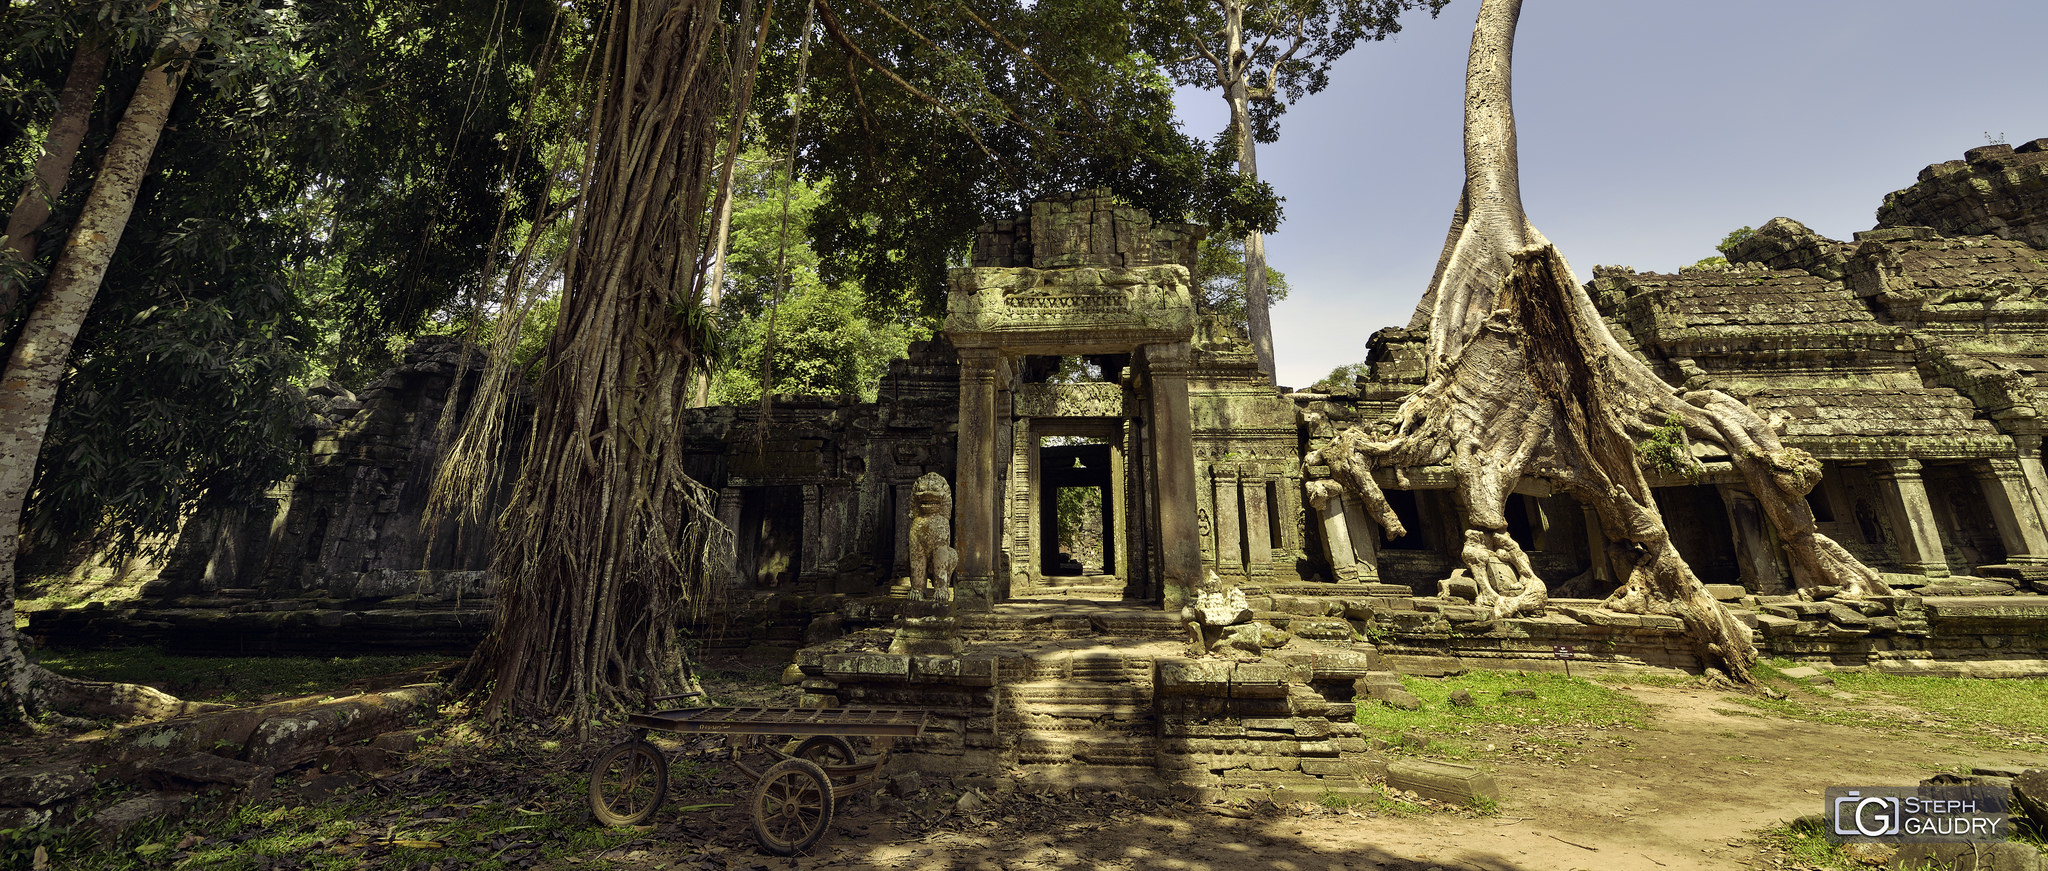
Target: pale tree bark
(1233,73)
(1526,380)
(53,164)
(608,543)
(28,386)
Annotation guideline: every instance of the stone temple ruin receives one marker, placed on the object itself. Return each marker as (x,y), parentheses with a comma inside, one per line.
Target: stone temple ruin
(1913,361)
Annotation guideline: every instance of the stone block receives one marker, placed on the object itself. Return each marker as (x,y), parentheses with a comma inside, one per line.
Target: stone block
(1321,628)
(1461,698)
(2030,796)
(1726,592)
(38,785)
(1333,768)
(1402,699)
(867,665)
(1442,781)
(2001,856)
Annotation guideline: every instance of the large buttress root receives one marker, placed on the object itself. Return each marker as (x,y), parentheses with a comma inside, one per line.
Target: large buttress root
(1527,381)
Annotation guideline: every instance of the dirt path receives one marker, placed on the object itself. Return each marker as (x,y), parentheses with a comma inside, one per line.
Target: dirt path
(1685,793)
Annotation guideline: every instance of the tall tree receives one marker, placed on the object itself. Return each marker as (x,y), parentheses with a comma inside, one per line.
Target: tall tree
(1254,53)
(608,541)
(28,385)
(1526,380)
(52,166)
(933,117)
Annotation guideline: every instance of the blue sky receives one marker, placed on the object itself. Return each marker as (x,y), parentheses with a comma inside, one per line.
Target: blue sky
(1648,128)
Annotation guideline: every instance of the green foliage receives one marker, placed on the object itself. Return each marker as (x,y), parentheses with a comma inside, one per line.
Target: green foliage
(989,130)
(1666,450)
(1219,277)
(1342,377)
(1734,237)
(1715,262)
(826,341)
(330,175)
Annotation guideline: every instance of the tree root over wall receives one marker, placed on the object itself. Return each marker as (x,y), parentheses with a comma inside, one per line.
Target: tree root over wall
(1526,380)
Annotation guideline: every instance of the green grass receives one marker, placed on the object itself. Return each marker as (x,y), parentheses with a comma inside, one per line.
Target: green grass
(1565,713)
(230,679)
(1999,714)
(1807,846)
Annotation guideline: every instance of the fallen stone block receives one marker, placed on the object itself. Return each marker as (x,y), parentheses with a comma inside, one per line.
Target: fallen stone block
(1461,698)
(1442,781)
(39,785)
(1518,694)
(2030,795)
(1726,592)
(402,741)
(1402,699)
(2001,856)
(112,821)
(196,770)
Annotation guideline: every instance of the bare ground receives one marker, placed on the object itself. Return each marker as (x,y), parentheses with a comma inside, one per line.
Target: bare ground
(1688,792)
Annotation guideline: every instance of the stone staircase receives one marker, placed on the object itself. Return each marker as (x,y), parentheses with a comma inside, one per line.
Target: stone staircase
(1087,721)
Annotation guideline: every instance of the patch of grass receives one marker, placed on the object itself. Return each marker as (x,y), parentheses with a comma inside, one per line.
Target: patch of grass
(230,679)
(1807,846)
(1998,714)
(1998,710)
(1564,713)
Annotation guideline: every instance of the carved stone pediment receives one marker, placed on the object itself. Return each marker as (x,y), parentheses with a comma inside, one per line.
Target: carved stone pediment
(1070,400)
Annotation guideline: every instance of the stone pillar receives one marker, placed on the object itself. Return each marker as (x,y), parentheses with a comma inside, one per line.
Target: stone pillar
(1258,529)
(1327,499)
(834,504)
(2012,510)
(1023,508)
(1223,513)
(1596,546)
(899,523)
(729,561)
(974,496)
(1912,517)
(810,539)
(1756,547)
(1173,462)
(1119,502)
(2036,476)
(1364,533)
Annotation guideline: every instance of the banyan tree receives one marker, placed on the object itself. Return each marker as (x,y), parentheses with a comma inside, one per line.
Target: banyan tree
(1525,380)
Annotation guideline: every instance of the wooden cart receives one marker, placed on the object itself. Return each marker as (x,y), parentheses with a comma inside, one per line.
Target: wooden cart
(795,793)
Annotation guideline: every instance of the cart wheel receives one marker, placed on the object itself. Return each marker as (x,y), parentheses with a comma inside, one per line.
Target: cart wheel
(827,751)
(627,783)
(792,807)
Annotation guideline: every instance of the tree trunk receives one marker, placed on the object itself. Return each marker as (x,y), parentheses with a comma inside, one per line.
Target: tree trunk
(28,387)
(608,543)
(53,165)
(1236,93)
(1526,380)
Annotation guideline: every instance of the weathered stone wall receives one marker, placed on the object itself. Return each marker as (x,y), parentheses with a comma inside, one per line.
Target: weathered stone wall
(1995,190)
(357,507)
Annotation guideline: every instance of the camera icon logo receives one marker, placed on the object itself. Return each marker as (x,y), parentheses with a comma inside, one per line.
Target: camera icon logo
(1870,816)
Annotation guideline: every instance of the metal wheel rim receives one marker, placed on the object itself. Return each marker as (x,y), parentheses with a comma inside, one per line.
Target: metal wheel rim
(638,779)
(792,806)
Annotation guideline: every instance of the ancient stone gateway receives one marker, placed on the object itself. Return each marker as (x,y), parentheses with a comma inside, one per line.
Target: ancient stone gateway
(1081,284)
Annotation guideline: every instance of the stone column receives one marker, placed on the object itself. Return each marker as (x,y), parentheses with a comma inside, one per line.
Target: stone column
(1223,513)
(1258,529)
(2012,510)
(974,496)
(2031,469)
(1596,546)
(1173,458)
(1025,529)
(899,563)
(1912,517)
(729,514)
(1756,547)
(1327,499)
(810,539)
(1365,536)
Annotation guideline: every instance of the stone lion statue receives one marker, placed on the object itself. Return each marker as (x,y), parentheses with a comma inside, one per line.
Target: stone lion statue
(932,557)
